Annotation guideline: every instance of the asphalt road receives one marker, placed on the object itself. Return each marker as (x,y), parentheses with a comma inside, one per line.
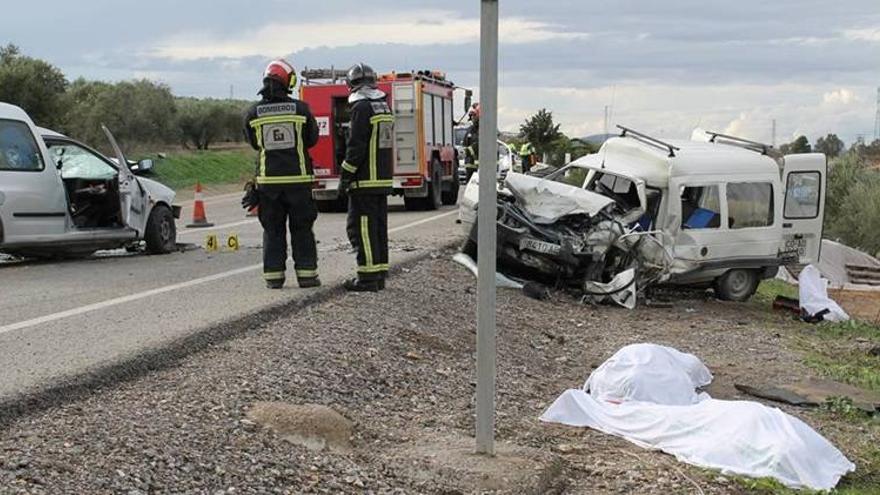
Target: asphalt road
(61,319)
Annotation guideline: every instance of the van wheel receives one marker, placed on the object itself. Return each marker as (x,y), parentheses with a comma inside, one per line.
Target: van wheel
(161,234)
(736,285)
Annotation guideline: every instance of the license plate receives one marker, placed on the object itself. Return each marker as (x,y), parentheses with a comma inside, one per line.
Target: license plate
(539,246)
(795,244)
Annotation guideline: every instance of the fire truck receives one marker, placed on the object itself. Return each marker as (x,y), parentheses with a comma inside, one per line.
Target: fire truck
(425,159)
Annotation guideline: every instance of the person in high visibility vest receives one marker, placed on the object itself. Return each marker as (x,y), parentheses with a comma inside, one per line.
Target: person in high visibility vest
(283,129)
(367,178)
(472,143)
(527,156)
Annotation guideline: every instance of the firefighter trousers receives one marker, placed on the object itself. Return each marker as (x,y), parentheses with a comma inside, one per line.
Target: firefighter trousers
(367,229)
(283,208)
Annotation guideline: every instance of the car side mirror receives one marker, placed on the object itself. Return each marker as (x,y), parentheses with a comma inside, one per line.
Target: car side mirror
(142,167)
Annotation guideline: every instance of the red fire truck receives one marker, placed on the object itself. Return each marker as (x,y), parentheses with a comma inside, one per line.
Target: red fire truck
(425,160)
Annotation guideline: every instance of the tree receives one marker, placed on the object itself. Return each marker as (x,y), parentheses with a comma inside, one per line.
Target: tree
(204,122)
(830,145)
(843,174)
(799,145)
(540,130)
(139,113)
(35,85)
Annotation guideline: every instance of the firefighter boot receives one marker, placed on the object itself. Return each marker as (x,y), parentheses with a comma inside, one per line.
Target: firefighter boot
(308,283)
(274,284)
(359,285)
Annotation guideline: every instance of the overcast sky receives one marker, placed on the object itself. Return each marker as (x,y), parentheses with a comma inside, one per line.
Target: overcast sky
(666,67)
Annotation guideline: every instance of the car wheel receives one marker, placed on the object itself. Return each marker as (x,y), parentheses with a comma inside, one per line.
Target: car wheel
(736,285)
(161,234)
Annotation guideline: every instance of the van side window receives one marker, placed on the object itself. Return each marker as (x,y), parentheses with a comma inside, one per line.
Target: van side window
(802,195)
(700,207)
(749,204)
(18,150)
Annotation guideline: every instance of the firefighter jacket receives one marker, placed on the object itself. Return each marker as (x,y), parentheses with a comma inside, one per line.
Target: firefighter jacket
(472,147)
(369,156)
(282,129)
(527,150)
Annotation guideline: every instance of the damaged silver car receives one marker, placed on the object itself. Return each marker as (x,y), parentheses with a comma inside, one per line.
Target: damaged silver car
(715,211)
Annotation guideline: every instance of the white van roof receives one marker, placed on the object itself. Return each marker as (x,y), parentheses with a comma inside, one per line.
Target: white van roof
(12,112)
(630,157)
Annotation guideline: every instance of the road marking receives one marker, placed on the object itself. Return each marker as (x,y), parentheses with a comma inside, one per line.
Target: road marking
(186,231)
(169,288)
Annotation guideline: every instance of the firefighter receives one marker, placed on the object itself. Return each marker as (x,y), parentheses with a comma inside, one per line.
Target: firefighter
(527,155)
(472,143)
(367,178)
(283,129)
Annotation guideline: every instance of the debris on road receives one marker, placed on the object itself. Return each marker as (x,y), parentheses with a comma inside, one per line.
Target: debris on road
(648,394)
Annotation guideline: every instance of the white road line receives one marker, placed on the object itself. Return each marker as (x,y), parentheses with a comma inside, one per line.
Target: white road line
(169,288)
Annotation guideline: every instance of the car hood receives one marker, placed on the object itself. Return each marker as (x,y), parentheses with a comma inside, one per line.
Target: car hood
(157,191)
(547,200)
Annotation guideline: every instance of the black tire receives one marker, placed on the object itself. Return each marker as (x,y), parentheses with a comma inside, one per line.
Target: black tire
(450,196)
(161,234)
(435,189)
(738,285)
(434,199)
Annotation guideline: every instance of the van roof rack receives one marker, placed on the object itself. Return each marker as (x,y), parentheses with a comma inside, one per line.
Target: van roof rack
(651,141)
(764,149)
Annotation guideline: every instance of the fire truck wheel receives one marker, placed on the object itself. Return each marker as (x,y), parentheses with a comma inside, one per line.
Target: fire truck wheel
(435,188)
(450,196)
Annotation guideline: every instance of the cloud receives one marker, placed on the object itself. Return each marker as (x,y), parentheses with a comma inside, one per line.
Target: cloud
(868,34)
(415,28)
(840,96)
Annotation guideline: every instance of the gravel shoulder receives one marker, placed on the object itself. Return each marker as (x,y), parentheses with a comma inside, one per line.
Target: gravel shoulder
(399,366)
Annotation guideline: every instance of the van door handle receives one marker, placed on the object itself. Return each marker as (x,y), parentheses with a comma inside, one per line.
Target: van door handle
(787,226)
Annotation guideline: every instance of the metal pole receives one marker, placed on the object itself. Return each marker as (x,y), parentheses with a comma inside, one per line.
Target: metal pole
(485,429)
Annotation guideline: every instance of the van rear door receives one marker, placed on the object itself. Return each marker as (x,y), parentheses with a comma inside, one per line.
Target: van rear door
(804,180)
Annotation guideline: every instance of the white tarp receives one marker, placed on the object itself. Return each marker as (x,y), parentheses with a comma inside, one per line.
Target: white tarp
(813,292)
(547,200)
(648,395)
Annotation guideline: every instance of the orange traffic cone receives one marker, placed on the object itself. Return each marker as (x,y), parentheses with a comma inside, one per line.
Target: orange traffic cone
(199,217)
(253,212)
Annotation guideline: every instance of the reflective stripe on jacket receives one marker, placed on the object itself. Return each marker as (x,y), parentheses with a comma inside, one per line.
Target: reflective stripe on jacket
(282,130)
(369,155)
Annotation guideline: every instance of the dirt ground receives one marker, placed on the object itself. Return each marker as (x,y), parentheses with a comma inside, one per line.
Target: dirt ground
(864,305)
(399,366)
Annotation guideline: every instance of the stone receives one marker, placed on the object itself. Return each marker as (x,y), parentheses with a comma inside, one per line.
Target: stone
(313,426)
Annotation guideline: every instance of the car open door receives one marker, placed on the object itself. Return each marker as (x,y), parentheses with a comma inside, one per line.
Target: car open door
(131,197)
(803,210)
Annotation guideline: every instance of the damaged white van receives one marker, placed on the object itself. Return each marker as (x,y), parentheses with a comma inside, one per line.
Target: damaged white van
(59,197)
(715,211)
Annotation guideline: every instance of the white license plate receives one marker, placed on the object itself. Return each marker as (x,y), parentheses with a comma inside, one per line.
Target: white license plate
(539,246)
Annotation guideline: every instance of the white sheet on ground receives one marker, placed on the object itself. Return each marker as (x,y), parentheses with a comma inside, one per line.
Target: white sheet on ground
(647,394)
(813,292)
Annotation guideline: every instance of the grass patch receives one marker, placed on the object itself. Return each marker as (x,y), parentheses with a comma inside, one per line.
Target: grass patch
(769,289)
(181,170)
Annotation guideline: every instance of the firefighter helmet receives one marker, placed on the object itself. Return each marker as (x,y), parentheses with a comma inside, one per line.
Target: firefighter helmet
(282,71)
(361,75)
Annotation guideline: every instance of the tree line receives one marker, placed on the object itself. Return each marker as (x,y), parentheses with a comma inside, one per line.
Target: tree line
(140,113)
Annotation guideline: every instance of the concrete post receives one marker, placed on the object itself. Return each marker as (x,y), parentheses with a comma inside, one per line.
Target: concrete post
(486,235)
